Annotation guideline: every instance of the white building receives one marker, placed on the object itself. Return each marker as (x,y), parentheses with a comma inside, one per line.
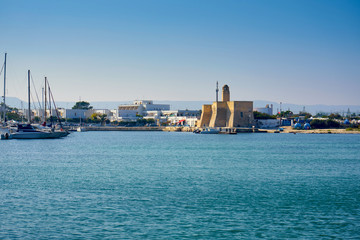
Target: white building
(81,113)
(175,117)
(267,109)
(74,113)
(139,107)
(38,113)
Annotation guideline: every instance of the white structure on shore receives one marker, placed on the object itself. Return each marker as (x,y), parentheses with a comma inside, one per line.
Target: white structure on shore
(175,117)
(74,113)
(267,109)
(138,108)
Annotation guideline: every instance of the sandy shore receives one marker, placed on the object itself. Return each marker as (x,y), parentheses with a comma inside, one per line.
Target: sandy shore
(288,129)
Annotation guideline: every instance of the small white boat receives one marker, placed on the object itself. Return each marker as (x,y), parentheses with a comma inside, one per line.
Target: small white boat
(81,129)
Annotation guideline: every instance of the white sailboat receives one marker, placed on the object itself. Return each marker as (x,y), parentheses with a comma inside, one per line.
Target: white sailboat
(28,131)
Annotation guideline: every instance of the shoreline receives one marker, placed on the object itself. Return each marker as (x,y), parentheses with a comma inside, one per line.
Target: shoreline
(289,129)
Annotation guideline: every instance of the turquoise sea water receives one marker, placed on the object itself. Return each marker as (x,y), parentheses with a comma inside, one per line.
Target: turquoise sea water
(160,185)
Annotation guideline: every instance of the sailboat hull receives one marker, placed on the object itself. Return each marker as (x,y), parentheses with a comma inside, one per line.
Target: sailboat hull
(38,135)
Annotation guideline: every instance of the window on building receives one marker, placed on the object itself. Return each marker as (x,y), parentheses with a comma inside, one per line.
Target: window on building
(241,114)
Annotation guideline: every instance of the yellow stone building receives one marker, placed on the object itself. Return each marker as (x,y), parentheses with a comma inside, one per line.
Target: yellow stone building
(227,113)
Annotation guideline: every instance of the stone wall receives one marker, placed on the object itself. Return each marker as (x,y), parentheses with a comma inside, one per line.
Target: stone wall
(205,116)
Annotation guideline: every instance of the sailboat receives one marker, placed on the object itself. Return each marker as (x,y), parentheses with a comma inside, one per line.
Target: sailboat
(4,130)
(28,131)
(4,97)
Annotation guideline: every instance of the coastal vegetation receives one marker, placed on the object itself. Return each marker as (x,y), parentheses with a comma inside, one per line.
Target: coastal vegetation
(12,113)
(353,129)
(285,114)
(259,115)
(335,116)
(13,116)
(82,105)
(324,124)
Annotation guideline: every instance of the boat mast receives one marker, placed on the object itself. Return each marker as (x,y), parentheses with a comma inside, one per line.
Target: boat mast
(51,97)
(5,89)
(50,114)
(29,114)
(42,104)
(45,99)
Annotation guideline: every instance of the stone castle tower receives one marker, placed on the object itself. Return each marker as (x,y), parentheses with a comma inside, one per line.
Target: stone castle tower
(225,93)
(227,113)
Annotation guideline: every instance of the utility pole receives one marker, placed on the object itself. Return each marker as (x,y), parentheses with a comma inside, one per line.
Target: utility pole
(217,91)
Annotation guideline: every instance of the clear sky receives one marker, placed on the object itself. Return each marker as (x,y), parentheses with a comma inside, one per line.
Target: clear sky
(303,52)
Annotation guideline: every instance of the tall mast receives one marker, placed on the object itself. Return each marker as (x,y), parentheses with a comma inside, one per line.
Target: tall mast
(42,104)
(45,98)
(5,88)
(50,114)
(29,114)
(217,91)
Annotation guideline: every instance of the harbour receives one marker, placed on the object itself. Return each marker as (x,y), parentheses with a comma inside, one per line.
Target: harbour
(208,120)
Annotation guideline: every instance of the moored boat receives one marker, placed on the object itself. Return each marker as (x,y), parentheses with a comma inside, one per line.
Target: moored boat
(209,131)
(28,131)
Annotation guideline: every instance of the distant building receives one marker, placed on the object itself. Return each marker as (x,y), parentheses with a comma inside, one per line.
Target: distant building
(227,113)
(175,117)
(81,113)
(74,113)
(267,109)
(139,107)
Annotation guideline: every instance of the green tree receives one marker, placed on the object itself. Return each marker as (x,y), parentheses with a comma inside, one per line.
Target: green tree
(323,124)
(13,116)
(82,105)
(259,115)
(37,119)
(335,116)
(285,114)
(97,117)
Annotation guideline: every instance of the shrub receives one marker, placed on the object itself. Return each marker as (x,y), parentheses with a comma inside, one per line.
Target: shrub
(323,124)
(259,115)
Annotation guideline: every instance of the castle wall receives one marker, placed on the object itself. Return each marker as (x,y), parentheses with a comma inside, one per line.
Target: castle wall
(242,114)
(205,116)
(219,114)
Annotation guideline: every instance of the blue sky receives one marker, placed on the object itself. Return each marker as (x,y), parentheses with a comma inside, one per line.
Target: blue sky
(303,52)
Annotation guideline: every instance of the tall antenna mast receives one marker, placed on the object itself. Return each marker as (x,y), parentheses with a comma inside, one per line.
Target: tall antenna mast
(5,89)
(217,91)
